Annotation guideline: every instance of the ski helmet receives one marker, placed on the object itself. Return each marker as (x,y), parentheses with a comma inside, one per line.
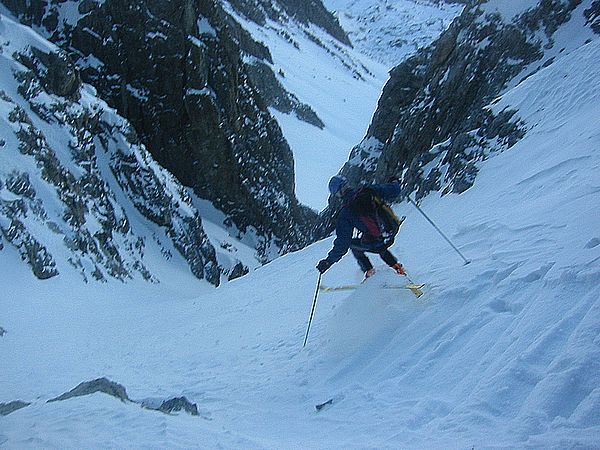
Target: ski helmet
(337,183)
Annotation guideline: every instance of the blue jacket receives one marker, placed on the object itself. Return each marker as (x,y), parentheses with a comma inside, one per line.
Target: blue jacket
(348,220)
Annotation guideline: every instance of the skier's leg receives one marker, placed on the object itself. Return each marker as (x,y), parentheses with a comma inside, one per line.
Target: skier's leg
(359,253)
(363,261)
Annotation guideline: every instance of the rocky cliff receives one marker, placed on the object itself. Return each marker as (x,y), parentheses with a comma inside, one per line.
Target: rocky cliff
(432,126)
(176,71)
(78,189)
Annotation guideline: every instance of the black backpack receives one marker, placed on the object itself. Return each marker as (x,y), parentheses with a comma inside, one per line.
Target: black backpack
(371,209)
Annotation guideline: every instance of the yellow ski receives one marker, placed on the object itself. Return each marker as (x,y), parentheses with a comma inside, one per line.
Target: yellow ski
(347,287)
(414,288)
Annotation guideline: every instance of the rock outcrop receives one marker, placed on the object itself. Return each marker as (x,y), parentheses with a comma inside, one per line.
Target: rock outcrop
(106,386)
(11,407)
(73,172)
(432,126)
(103,385)
(176,71)
(178,404)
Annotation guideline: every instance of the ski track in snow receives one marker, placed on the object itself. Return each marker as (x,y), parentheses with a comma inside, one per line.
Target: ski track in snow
(501,353)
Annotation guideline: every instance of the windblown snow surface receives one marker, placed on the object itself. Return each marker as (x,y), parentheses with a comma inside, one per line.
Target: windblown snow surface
(501,353)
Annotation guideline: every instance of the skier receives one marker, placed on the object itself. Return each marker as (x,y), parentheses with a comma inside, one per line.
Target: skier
(349,218)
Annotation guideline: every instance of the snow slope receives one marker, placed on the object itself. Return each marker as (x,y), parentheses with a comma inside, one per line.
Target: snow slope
(501,353)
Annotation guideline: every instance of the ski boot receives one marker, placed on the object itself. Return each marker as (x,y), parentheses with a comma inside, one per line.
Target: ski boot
(368,274)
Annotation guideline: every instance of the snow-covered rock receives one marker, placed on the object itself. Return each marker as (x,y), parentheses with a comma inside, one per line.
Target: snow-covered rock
(77,188)
(433,123)
(389,31)
(176,70)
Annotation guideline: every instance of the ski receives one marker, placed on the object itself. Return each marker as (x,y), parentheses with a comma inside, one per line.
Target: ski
(414,288)
(417,290)
(347,287)
(406,286)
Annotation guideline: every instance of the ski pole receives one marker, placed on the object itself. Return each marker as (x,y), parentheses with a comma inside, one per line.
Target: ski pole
(439,231)
(313,309)
(408,278)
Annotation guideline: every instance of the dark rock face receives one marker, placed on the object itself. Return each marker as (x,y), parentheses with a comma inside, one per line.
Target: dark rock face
(178,404)
(54,187)
(239,270)
(175,70)
(432,110)
(59,74)
(593,16)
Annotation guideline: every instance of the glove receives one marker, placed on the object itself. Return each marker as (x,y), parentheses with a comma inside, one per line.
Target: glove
(323,265)
(399,268)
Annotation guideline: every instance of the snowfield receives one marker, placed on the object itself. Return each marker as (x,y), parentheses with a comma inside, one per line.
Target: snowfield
(501,353)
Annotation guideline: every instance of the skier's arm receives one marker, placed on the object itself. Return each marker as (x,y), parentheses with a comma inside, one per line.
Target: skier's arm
(388,191)
(341,244)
